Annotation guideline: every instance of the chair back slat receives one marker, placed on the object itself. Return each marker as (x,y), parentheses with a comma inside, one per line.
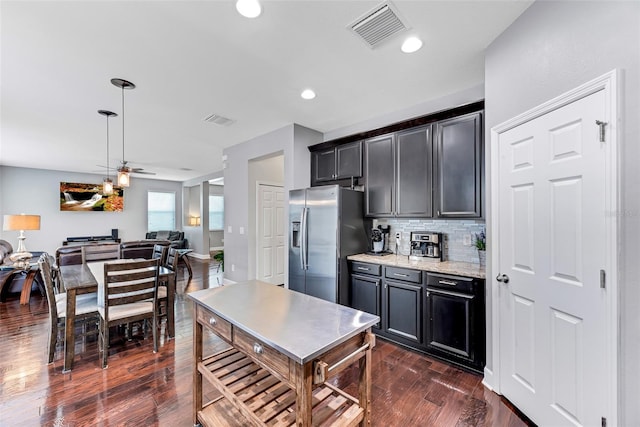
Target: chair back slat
(101,252)
(160,252)
(172,259)
(128,282)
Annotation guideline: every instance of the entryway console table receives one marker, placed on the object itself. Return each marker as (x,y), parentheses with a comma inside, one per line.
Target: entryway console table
(284,346)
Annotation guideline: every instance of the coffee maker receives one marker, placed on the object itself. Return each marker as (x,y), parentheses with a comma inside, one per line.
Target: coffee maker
(380,240)
(425,244)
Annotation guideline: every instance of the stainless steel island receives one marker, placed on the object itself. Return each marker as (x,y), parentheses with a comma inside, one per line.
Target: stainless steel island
(283,347)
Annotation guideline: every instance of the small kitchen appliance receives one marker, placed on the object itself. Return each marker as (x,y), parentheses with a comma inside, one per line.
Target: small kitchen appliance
(380,240)
(426,244)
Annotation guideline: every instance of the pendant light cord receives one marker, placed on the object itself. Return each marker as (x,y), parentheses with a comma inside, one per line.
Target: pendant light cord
(123,124)
(108,175)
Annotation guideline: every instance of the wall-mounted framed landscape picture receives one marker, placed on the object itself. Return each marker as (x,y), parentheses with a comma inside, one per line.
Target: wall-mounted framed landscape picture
(89,197)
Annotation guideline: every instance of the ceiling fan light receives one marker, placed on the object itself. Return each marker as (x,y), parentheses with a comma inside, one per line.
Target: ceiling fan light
(249,8)
(107,187)
(123,177)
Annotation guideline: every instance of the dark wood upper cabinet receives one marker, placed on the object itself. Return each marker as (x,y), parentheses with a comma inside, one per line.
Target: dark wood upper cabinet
(379,176)
(458,159)
(341,162)
(414,172)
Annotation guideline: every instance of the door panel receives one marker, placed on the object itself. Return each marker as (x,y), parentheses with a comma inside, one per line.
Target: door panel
(552,229)
(270,260)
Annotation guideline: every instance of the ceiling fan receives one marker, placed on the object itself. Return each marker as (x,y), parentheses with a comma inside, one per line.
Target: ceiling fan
(125,165)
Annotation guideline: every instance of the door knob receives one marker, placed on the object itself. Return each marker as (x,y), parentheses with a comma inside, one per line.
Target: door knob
(502,278)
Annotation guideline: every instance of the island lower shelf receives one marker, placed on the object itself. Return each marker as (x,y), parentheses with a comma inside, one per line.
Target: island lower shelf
(253,396)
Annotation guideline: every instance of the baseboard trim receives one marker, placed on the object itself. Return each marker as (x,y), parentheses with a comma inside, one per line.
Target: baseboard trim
(198,256)
(488,379)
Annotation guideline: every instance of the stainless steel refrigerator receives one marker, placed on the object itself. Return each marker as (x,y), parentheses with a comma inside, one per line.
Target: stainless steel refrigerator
(325,225)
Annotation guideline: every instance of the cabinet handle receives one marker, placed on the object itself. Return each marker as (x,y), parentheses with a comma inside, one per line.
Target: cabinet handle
(363,268)
(447,282)
(400,275)
(257,348)
(212,321)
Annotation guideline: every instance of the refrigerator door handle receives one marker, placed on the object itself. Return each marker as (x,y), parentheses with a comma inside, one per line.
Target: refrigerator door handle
(303,243)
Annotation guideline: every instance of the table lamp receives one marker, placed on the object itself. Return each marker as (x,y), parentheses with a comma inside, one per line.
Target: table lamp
(21,222)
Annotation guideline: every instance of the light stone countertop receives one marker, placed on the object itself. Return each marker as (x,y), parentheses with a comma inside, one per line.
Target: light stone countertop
(457,268)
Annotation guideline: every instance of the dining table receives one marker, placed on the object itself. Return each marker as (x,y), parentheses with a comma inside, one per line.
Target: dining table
(85,278)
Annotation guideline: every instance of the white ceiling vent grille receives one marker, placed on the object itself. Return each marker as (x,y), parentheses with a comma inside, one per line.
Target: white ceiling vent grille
(378,25)
(219,120)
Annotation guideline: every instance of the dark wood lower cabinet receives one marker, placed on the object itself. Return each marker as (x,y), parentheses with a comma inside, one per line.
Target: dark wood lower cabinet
(365,294)
(439,314)
(402,312)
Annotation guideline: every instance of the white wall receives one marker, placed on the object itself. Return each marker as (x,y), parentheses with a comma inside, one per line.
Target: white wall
(37,191)
(292,141)
(555,46)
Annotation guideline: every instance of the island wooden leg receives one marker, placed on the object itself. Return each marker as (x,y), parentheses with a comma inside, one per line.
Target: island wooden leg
(197,358)
(304,404)
(364,383)
(69,335)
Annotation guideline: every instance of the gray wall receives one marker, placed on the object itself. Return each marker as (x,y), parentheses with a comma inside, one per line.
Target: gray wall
(292,141)
(36,191)
(554,47)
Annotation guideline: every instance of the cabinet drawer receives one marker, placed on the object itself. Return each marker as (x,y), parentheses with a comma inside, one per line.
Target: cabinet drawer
(261,352)
(364,268)
(454,283)
(403,274)
(218,325)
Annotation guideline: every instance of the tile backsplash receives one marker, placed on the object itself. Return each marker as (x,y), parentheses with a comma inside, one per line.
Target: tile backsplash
(453,232)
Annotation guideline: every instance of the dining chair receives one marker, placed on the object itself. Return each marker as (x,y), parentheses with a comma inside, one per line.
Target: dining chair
(159,252)
(171,263)
(129,295)
(86,307)
(100,252)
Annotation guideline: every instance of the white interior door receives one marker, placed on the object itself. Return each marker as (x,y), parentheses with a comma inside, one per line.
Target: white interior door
(552,246)
(271,252)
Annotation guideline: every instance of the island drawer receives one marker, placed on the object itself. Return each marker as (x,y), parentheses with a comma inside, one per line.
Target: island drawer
(404,274)
(262,353)
(220,327)
(364,268)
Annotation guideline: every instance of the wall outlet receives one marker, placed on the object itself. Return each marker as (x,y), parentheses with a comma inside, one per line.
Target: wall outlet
(397,234)
(233,267)
(229,229)
(466,239)
(241,230)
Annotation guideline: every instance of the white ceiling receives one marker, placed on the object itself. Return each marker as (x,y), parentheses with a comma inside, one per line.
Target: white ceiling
(189,59)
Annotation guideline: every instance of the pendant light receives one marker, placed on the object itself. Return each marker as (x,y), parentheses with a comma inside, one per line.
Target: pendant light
(123,170)
(107,184)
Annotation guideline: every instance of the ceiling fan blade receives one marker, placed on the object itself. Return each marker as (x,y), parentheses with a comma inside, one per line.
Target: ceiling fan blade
(142,172)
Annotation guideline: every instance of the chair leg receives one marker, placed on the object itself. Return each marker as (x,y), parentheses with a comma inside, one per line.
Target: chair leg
(155,332)
(53,339)
(104,327)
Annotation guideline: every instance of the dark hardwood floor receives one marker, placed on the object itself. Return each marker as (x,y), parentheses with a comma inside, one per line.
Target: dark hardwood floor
(140,388)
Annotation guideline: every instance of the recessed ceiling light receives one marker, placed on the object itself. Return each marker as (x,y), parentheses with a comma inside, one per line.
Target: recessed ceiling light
(308,94)
(411,45)
(249,8)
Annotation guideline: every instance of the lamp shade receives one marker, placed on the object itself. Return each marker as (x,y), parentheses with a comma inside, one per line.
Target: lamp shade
(21,222)
(194,221)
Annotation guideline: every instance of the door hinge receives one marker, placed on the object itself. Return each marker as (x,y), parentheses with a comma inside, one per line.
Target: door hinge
(604,422)
(601,125)
(603,279)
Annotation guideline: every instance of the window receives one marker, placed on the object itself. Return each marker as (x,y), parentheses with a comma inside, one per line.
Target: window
(216,212)
(161,211)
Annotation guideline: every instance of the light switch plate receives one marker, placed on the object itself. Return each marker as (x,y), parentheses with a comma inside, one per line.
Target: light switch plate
(466,240)
(241,230)
(229,229)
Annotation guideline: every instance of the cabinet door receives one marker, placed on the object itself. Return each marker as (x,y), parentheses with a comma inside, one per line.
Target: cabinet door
(459,167)
(450,327)
(379,176)
(349,160)
(414,168)
(324,165)
(365,294)
(402,312)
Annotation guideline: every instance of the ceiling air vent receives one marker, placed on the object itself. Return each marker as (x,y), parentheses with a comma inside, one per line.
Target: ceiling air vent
(378,25)
(219,120)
